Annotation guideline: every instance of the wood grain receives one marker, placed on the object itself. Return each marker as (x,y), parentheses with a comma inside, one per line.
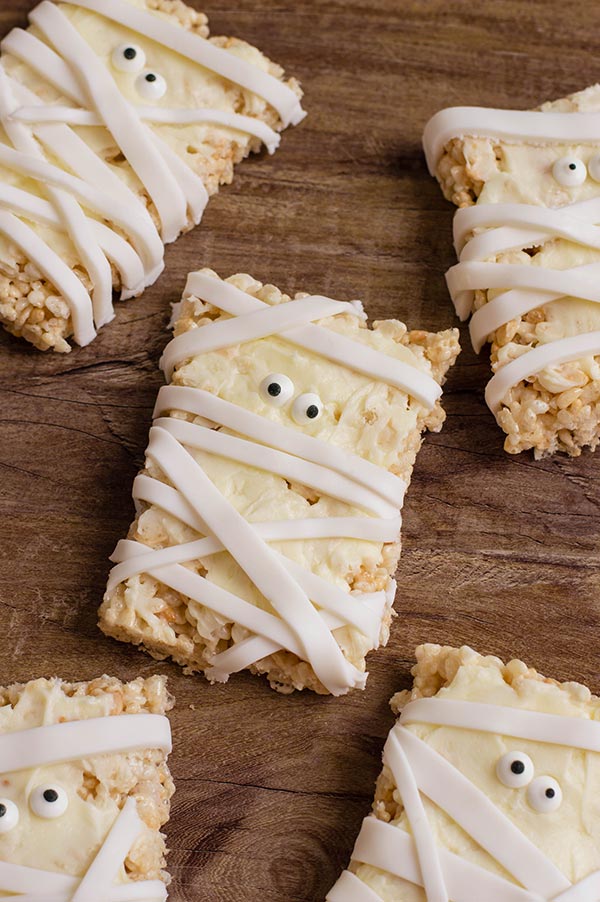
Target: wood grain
(499,552)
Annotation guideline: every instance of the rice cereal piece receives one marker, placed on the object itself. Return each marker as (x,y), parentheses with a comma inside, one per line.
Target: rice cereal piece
(528,242)
(120,118)
(268,526)
(488,789)
(85,790)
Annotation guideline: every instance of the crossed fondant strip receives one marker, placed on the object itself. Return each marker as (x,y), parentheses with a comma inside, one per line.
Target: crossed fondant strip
(86,185)
(419,771)
(514,226)
(71,741)
(304,609)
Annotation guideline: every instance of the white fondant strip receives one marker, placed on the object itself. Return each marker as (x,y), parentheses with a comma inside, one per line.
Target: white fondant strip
(137,558)
(253,649)
(58,273)
(579,282)
(90,195)
(350,889)
(392,850)
(234,609)
(192,187)
(118,116)
(432,878)
(534,361)
(140,891)
(42,59)
(29,206)
(262,323)
(530,224)
(501,309)
(199,50)
(587,890)
(312,475)
(157,115)
(70,213)
(366,528)
(575,732)
(103,870)
(516,126)
(45,61)
(317,339)
(35,885)
(448,788)
(255,558)
(369,529)
(132,214)
(29,882)
(296,442)
(78,739)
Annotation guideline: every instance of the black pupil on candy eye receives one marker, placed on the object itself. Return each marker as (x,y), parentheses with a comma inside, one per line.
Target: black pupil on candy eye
(129,53)
(50,795)
(572,165)
(312,411)
(274,389)
(2,810)
(151,77)
(517,767)
(550,793)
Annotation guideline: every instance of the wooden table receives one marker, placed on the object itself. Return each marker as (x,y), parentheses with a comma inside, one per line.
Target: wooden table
(499,552)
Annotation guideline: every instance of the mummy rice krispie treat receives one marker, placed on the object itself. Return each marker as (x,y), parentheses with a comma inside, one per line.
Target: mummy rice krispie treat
(528,241)
(119,118)
(268,519)
(84,790)
(489,790)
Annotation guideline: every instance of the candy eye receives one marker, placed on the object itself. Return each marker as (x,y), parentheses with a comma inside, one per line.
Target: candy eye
(276,389)
(544,795)
(128,58)
(569,172)
(9,815)
(151,86)
(307,408)
(48,801)
(594,167)
(515,769)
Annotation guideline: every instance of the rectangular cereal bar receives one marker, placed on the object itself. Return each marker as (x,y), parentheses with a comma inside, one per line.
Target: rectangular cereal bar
(268,526)
(120,118)
(488,791)
(85,790)
(528,242)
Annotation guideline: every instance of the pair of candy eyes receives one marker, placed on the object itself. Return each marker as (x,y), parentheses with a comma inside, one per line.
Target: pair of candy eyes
(48,802)
(131,58)
(571,171)
(516,770)
(277,389)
